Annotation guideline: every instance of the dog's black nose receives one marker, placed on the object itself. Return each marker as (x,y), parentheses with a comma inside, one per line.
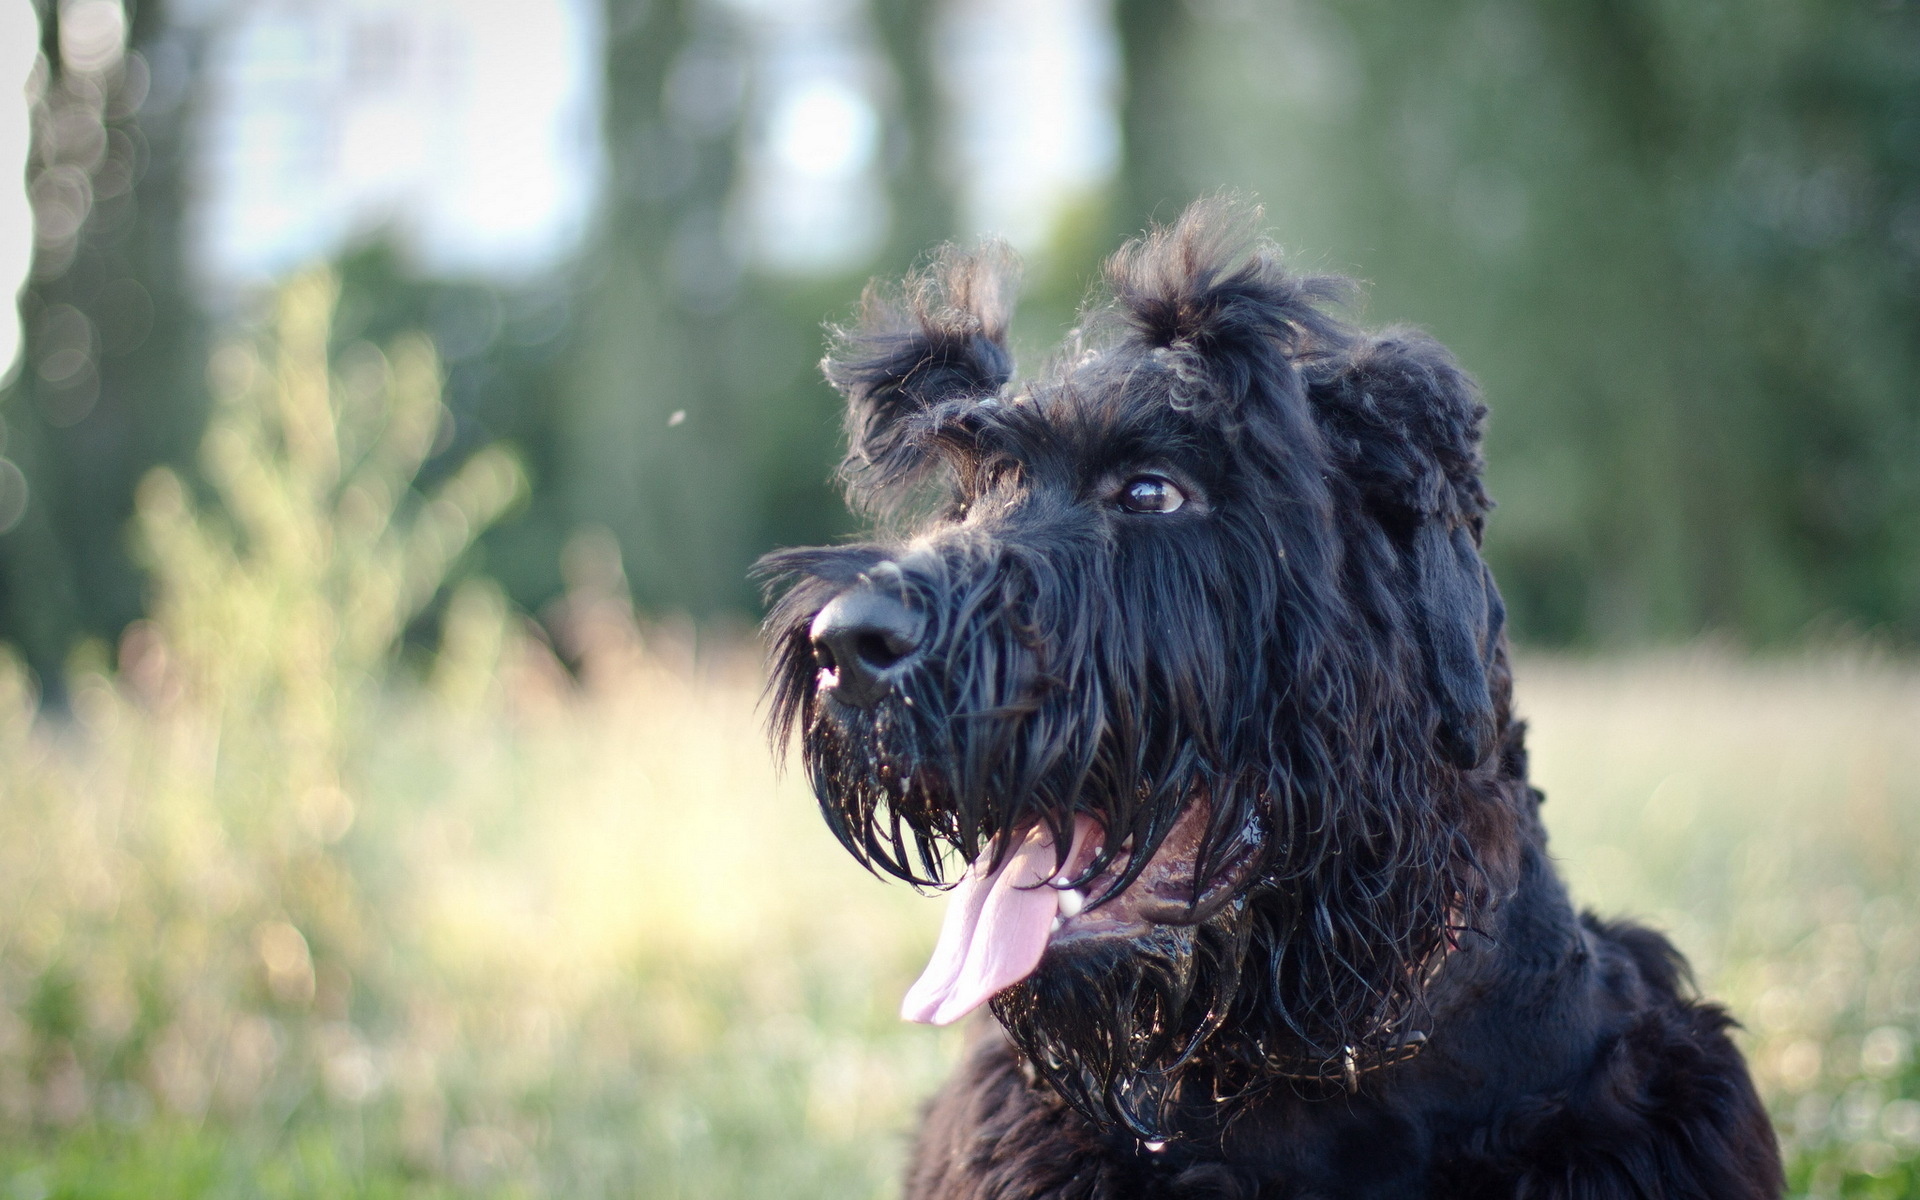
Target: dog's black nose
(868,640)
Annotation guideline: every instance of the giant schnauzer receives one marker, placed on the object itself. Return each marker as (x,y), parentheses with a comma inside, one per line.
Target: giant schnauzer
(1183,659)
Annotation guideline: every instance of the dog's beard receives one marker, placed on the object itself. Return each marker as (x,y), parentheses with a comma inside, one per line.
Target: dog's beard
(879,793)
(1120,1026)
(1318,968)
(1159,1034)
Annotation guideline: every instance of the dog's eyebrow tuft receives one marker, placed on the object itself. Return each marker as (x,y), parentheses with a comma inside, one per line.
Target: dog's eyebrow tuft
(1209,289)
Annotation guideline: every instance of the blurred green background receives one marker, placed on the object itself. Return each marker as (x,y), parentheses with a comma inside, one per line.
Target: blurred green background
(401,391)
(1679,243)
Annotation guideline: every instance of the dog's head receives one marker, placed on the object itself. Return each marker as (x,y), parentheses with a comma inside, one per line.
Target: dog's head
(1182,659)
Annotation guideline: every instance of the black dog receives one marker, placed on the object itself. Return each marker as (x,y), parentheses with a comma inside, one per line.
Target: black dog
(1190,653)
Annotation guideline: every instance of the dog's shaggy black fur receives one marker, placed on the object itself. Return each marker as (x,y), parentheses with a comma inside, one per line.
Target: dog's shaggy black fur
(1215,584)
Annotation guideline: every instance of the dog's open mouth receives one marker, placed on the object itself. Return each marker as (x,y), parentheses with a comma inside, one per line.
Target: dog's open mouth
(1001,922)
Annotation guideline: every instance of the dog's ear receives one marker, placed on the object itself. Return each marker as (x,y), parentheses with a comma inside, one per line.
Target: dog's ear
(1403,421)
(1461,619)
(1212,303)
(940,338)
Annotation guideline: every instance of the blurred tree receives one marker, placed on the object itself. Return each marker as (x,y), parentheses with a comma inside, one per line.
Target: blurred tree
(921,191)
(1158,106)
(650,433)
(1677,244)
(695,426)
(1681,249)
(1157,112)
(110,382)
(505,352)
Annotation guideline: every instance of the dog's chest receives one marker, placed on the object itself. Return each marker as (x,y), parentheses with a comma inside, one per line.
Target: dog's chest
(993,1133)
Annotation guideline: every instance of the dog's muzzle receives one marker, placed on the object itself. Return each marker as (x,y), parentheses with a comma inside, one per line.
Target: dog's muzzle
(865,642)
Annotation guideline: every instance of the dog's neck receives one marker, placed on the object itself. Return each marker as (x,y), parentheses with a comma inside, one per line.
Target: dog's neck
(1515,999)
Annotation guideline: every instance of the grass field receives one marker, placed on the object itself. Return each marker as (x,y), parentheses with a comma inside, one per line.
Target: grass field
(584,942)
(285,917)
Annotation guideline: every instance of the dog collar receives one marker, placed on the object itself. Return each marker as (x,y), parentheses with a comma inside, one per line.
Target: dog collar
(1352,1062)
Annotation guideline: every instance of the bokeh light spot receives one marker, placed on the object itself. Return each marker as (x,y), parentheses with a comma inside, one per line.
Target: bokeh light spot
(825,129)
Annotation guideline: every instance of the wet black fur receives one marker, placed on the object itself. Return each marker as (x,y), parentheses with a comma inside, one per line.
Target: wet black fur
(1396,999)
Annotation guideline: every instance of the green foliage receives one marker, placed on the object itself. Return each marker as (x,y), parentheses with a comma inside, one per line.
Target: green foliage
(1863,1142)
(1676,242)
(296,594)
(192,932)
(1767,815)
(181,1159)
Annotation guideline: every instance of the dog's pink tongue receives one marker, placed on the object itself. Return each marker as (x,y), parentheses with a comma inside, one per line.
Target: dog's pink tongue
(996,929)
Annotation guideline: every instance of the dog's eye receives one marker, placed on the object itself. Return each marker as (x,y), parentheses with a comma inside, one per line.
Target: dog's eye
(1151,494)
